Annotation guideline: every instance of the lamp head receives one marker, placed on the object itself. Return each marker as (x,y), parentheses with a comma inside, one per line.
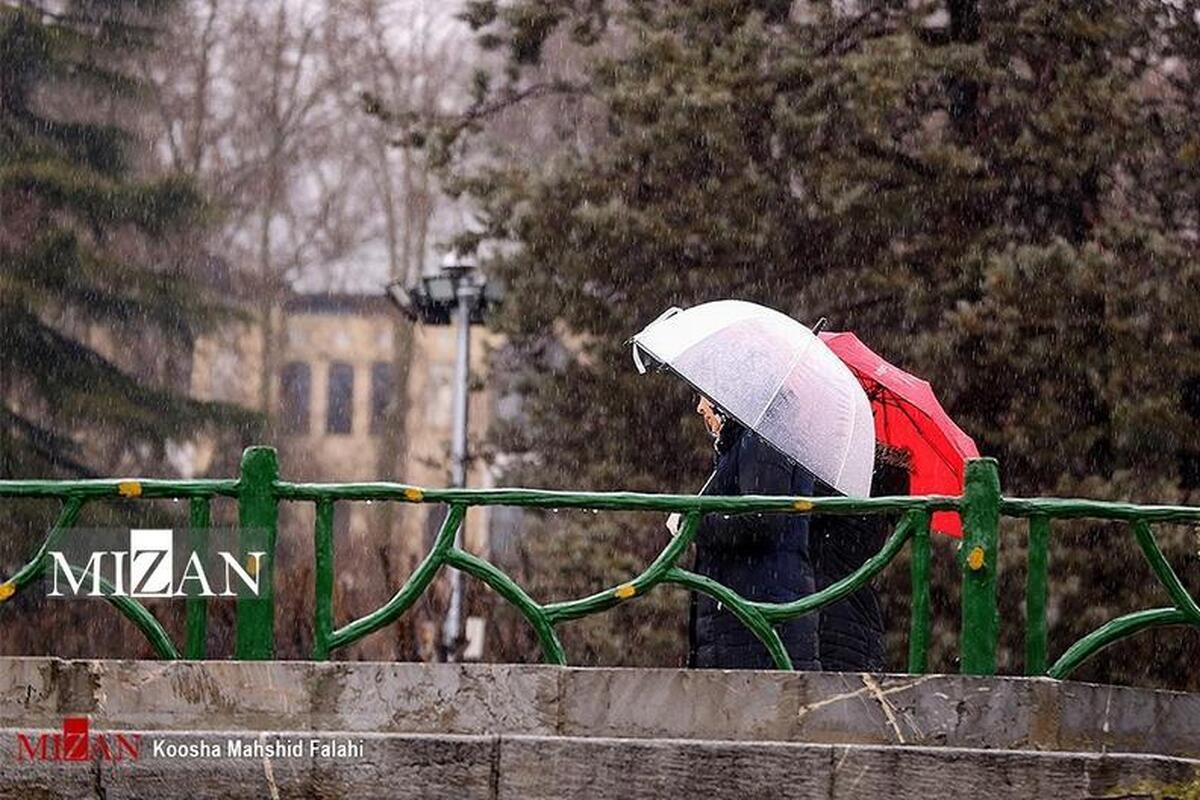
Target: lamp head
(458,266)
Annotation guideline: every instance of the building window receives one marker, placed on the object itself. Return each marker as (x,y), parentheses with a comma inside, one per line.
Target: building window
(383,388)
(295,390)
(341,398)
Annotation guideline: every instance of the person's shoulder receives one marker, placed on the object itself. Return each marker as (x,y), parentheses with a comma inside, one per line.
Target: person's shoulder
(753,448)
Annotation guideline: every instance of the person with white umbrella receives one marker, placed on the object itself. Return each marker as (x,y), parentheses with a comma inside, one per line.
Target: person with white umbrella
(785,411)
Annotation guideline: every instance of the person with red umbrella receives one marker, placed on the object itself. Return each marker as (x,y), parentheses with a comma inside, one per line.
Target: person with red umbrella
(919,450)
(784,411)
(909,417)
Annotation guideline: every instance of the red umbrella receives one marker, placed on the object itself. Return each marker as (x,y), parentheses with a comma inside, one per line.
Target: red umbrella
(909,416)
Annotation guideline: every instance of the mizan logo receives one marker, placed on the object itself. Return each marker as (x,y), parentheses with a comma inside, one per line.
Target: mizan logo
(148,569)
(78,743)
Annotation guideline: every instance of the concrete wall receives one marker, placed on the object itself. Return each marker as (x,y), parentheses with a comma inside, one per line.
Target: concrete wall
(518,731)
(402,766)
(475,699)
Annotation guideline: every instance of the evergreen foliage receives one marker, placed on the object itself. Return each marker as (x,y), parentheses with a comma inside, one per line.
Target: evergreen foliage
(91,298)
(999,196)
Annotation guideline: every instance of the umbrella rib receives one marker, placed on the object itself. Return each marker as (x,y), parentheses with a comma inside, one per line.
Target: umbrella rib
(795,360)
(904,410)
(846,454)
(884,395)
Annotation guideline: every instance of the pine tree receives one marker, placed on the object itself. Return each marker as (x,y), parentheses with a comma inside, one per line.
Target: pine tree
(91,295)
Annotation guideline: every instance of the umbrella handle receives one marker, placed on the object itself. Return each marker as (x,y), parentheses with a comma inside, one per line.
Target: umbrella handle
(674,520)
(670,312)
(637,355)
(637,360)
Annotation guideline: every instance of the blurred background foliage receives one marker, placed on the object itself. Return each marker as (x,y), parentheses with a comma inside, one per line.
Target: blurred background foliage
(999,196)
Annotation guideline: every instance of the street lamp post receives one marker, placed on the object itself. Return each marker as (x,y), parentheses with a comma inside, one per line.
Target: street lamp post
(466,293)
(459,294)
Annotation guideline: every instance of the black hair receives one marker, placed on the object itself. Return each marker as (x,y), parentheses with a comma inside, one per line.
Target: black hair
(731,431)
(891,476)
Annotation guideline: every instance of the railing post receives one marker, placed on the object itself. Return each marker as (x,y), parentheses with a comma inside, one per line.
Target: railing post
(918,632)
(1036,584)
(258,517)
(196,608)
(978,558)
(323,580)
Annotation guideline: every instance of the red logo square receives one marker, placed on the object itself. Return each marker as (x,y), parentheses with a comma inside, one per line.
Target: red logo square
(75,739)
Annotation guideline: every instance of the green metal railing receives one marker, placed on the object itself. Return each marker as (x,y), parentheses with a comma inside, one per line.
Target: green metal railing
(259,491)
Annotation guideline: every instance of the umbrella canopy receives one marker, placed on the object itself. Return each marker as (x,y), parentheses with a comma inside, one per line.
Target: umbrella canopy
(908,415)
(777,378)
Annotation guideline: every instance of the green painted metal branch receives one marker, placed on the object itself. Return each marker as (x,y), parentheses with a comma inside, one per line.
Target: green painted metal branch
(1075,508)
(1162,569)
(134,611)
(147,488)
(504,586)
(36,565)
(606,599)
(611,501)
(410,591)
(1112,631)
(258,517)
(742,608)
(140,616)
(780,612)
(150,627)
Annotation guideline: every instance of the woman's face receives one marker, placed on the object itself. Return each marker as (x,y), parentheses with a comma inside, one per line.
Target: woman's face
(708,411)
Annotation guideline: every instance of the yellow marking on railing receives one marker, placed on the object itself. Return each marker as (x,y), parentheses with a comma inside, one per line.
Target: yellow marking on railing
(625,590)
(413,495)
(802,505)
(7,590)
(975,558)
(129,489)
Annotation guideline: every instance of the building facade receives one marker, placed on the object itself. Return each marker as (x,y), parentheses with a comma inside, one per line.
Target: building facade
(334,399)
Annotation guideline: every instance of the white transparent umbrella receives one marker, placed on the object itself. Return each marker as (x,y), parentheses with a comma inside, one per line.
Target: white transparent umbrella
(777,378)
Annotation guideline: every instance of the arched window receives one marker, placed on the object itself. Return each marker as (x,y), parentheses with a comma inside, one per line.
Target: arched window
(340,410)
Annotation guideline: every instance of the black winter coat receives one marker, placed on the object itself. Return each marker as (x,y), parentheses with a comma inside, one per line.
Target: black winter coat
(851,630)
(762,557)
